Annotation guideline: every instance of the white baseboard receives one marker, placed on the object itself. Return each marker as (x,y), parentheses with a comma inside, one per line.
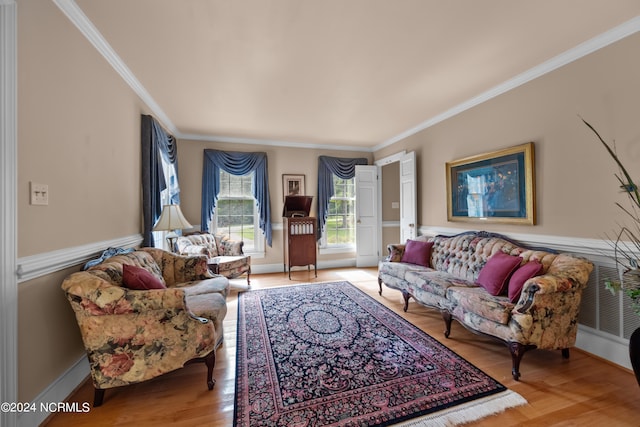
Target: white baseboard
(322,265)
(58,391)
(606,346)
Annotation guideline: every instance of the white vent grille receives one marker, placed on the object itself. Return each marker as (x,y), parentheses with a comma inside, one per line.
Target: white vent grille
(603,311)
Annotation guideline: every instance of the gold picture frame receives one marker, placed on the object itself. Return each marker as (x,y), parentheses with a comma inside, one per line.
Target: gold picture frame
(497,187)
(292,185)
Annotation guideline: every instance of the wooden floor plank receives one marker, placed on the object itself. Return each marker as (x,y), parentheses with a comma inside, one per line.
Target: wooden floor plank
(581,391)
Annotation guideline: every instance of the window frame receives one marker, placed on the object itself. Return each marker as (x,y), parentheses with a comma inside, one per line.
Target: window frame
(258,249)
(327,247)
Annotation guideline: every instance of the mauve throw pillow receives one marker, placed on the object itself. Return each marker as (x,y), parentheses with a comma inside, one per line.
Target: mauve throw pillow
(521,275)
(139,279)
(417,252)
(495,274)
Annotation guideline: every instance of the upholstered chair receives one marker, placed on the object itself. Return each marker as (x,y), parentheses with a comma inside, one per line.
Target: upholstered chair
(226,256)
(145,313)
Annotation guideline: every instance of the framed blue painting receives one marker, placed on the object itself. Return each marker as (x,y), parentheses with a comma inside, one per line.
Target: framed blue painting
(493,187)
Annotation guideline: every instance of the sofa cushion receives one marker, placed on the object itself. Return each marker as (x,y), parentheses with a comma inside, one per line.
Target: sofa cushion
(521,275)
(478,301)
(138,278)
(393,273)
(433,281)
(417,252)
(495,274)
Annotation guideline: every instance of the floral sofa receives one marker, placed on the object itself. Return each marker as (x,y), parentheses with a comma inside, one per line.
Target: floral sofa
(525,297)
(145,313)
(226,256)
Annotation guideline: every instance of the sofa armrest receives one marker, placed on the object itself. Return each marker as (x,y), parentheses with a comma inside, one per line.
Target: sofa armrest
(395,250)
(565,274)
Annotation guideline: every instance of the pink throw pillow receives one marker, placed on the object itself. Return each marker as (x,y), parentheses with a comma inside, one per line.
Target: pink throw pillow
(495,274)
(521,275)
(417,252)
(139,279)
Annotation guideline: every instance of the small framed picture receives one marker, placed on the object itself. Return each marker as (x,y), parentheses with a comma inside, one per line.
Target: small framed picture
(292,185)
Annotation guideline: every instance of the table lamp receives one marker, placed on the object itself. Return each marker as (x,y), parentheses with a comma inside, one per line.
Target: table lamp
(171,220)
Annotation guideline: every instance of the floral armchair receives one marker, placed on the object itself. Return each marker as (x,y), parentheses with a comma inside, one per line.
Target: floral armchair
(226,256)
(146,313)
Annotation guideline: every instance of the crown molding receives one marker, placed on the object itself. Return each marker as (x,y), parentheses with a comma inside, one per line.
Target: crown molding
(91,33)
(272,142)
(86,27)
(615,34)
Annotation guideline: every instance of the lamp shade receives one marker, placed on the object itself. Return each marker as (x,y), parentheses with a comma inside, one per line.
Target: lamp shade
(171,219)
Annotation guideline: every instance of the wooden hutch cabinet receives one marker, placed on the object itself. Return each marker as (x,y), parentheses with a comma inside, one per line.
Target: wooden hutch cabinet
(300,231)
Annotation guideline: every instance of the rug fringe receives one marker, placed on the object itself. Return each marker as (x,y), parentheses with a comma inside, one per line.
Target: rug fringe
(468,412)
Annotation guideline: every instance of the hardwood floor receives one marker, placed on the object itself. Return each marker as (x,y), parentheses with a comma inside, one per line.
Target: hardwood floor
(581,391)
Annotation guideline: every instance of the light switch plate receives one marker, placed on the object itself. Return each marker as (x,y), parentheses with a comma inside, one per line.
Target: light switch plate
(39,194)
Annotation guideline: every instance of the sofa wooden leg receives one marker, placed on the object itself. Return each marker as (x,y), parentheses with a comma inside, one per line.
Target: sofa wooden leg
(210,361)
(447,317)
(380,286)
(98,397)
(517,351)
(406,297)
(565,353)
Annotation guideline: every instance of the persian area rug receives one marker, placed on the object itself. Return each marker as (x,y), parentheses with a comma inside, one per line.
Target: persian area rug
(329,354)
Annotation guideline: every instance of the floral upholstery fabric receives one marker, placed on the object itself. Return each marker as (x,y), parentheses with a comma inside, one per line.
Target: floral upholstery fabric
(233,262)
(546,314)
(135,335)
(209,245)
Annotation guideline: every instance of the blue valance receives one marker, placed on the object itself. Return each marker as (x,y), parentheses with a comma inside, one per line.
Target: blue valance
(236,163)
(327,168)
(156,143)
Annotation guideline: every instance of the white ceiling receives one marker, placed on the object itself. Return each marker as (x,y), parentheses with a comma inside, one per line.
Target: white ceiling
(350,73)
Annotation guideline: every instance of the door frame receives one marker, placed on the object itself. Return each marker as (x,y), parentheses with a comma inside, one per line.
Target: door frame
(8,208)
(397,157)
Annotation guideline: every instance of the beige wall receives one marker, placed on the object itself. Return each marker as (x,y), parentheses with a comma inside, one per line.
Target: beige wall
(576,189)
(78,132)
(281,161)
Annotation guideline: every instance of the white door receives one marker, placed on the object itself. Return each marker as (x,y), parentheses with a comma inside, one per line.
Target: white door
(408,196)
(368,216)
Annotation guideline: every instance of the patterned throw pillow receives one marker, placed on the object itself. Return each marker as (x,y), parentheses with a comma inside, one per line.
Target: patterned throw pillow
(139,279)
(495,274)
(417,252)
(521,275)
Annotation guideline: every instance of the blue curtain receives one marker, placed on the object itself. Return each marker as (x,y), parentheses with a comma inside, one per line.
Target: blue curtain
(156,144)
(327,168)
(236,163)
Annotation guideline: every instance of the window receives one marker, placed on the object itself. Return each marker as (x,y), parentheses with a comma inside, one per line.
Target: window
(236,211)
(340,229)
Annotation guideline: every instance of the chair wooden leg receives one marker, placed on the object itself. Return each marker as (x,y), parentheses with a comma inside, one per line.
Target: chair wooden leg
(98,397)
(380,285)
